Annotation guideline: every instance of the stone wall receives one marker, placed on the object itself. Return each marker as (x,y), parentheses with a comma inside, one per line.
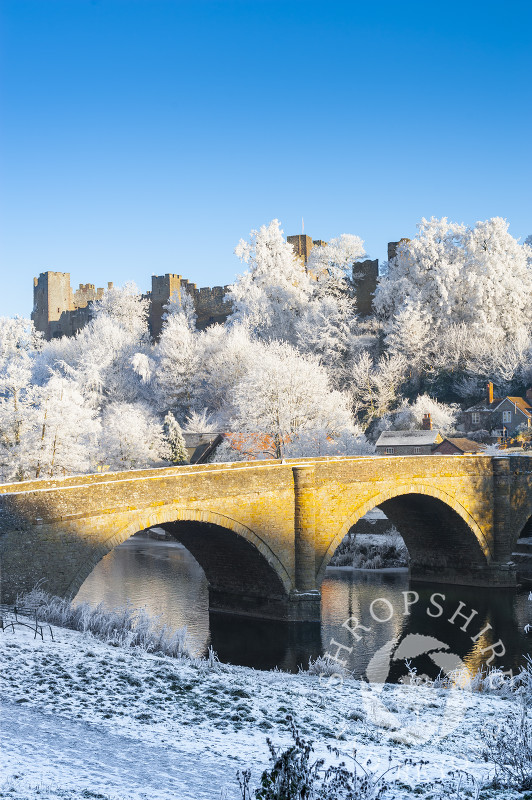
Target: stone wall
(57,310)
(278,524)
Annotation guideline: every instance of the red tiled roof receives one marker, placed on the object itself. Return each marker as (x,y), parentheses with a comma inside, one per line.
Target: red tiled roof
(463,444)
(253,445)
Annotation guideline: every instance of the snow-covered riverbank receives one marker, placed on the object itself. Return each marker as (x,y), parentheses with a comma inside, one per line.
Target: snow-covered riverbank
(84,719)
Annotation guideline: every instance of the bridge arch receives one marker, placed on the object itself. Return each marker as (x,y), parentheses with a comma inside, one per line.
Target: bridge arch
(431,507)
(233,557)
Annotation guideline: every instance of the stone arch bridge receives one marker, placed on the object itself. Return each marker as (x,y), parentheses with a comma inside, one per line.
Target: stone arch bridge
(265,531)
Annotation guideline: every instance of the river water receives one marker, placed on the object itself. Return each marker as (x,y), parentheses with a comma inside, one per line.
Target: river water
(164,578)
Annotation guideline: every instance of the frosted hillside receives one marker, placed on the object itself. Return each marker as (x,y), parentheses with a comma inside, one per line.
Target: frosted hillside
(84,719)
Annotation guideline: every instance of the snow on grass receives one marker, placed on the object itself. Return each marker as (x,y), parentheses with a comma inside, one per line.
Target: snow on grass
(79,715)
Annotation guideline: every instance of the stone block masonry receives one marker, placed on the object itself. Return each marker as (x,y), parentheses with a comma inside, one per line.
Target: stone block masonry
(60,311)
(264,532)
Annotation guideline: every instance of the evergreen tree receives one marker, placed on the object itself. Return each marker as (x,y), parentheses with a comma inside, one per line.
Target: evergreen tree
(175,438)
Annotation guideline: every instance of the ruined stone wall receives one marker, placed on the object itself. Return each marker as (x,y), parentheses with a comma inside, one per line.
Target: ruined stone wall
(211,306)
(365,277)
(57,310)
(209,303)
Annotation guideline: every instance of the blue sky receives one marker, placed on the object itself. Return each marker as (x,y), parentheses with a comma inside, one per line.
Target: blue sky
(148,136)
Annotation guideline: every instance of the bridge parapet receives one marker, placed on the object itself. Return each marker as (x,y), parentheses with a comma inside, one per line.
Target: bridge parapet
(460,516)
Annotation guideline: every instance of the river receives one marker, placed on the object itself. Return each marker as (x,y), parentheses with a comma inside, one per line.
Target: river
(164,578)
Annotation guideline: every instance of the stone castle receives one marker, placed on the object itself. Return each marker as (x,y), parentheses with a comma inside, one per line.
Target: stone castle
(60,311)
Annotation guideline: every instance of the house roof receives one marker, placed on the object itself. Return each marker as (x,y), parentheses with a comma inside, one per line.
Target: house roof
(410,438)
(483,405)
(462,444)
(520,403)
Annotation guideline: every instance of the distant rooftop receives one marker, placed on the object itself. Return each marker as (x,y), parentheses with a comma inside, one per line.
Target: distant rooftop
(413,438)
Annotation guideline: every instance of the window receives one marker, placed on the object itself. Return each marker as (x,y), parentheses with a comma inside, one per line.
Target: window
(389,451)
(506,416)
(417,451)
(475,417)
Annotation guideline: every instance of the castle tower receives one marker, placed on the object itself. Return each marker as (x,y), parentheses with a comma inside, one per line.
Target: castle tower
(302,245)
(162,288)
(52,300)
(392,248)
(365,277)
(57,311)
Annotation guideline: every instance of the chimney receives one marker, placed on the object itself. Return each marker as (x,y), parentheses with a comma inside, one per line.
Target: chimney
(426,425)
(489,392)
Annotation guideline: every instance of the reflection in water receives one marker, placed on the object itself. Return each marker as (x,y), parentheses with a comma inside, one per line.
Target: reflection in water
(163,577)
(160,576)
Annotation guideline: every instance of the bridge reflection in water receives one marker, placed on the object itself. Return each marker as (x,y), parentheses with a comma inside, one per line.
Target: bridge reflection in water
(163,577)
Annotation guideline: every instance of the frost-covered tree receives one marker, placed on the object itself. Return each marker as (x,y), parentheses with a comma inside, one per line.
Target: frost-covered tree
(453,278)
(132,437)
(284,392)
(337,259)
(328,327)
(316,443)
(177,356)
(63,439)
(478,275)
(375,385)
(178,450)
(126,306)
(200,422)
(106,357)
(19,346)
(226,354)
(409,416)
(272,294)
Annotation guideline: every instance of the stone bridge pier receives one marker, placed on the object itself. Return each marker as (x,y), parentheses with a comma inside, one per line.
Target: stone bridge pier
(264,532)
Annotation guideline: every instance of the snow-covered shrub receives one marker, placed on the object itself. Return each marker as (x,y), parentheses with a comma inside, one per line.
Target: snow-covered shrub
(386,550)
(123,627)
(509,747)
(293,775)
(323,666)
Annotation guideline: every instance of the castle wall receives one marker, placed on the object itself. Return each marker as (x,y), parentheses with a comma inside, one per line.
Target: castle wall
(365,276)
(58,311)
(211,308)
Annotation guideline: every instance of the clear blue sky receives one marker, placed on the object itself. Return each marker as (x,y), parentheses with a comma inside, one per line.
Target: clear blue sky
(148,136)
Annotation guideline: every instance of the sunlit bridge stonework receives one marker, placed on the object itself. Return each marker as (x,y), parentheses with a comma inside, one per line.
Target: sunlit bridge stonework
(264,532)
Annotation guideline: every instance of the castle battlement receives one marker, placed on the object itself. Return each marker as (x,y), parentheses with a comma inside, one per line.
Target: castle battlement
(58,311)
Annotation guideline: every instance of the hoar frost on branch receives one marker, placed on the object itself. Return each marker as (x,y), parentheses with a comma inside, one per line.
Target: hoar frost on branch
(453,278)
(272,295)
(293,365)
(284,392)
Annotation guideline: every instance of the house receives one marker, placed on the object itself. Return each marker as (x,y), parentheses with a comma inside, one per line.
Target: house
(247,446)
(501,416)
(196,444)
(409,443)
(459,447)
